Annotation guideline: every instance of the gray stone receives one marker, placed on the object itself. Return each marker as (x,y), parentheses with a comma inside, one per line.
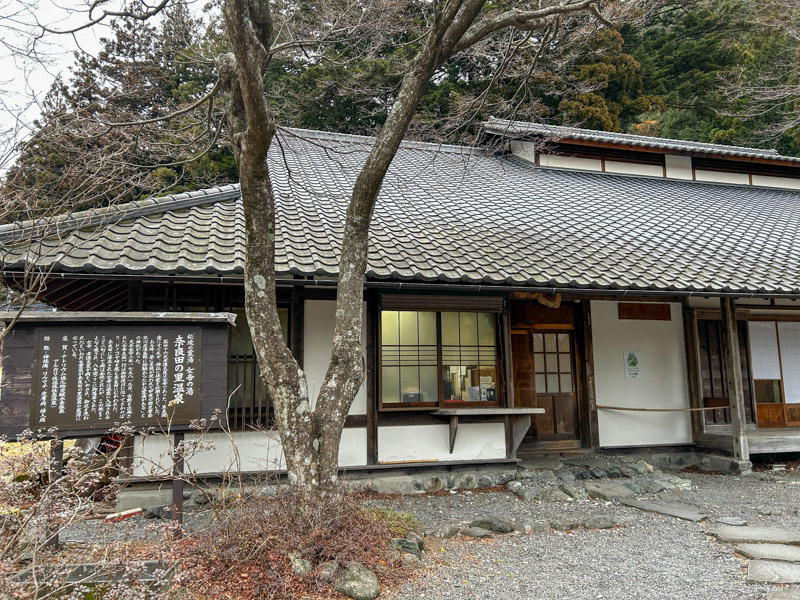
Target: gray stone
(599,522)
(484,481)
(607,490)
(565,475)
(444,531)
(493,523)
(598,473)
(680,483)
(572,492)
(451,482)
(767,571)
(732,521)
(679,511)
(468,482)
(648,468)
(785,594)
(357,582)
(433,484)
(418,485)
(514,486)
(627,471)
(540,462)
(551,494)
(548,477)
(505,478)
(406,545)
(529,526)
(584,475)
(301,566)
(419,539)
(778,552)
(590,462)
(757,535)
(410,560)
(640,469)
(564,524)
(327,570)
(199,498)
(633,486)
(613,473)
(158,512)
(527,494)
(477,532)
(653,486)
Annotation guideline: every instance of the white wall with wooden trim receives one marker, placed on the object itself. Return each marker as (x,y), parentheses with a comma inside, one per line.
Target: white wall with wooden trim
(722,177)
(629,168)
(570,162)
(662,383)
(317,341)
(246,451)
(412,443)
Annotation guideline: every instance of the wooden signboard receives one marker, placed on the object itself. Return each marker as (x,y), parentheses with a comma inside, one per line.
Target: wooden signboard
(641,311)
(94,377)
(83,374)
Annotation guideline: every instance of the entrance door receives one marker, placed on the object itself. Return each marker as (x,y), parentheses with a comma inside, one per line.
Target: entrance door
(776,371)
(544,377)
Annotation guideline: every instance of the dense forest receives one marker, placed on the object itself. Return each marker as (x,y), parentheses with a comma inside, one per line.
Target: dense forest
(710,71)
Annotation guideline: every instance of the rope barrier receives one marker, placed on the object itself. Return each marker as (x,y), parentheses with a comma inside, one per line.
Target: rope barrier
(661,409)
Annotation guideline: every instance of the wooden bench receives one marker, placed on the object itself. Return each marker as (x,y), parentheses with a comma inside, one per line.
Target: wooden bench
(518,418)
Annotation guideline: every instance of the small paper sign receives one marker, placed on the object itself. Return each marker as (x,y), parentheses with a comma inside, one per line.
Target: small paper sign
(633,365)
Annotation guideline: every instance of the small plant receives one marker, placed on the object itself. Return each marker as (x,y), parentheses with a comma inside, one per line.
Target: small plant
(400,523)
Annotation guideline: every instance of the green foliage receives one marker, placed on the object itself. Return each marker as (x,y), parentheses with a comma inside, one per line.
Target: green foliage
(400,523)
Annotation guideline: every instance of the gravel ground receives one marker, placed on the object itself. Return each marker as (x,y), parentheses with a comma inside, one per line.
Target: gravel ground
(653,557)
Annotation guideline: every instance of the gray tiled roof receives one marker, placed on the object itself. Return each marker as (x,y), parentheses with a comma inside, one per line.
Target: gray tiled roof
(452,214)
(512,129)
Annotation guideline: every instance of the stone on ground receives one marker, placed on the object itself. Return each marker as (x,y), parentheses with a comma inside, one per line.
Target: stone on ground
(565,475)
(607,490)
(587,461)
(679,511)
(444,531)
(301,566)
(327,570)
(493,523)
(410,560)
(551,494)
(778,552)
(477,532)
(732,521)
(526,494)
(529,526)
(599,522)
(540,462)
(768,571)
(787,594)
(564,524)
(357,582)
(757,535)
(514,486)
(408,546)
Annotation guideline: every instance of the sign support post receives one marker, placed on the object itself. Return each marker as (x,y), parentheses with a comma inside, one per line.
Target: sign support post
(177,482)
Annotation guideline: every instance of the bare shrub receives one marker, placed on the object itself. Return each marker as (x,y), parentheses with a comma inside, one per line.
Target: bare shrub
(249,553)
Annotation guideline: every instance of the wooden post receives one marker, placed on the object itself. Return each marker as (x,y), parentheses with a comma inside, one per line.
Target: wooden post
(508,366)
(177,483)
(56,467)
(692,348)
(730,335)
(588,356)
(373,312)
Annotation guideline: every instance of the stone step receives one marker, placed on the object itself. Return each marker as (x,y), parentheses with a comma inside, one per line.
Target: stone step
(770,571)
(679,511)
(786,594)
(778,552)
(756,535)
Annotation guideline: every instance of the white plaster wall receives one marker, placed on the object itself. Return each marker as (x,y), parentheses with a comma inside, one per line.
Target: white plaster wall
(246,451)
(779,182)
(524,150)
(570,162)
(317,341)
(663,381)
(722,177)
(474,441)
(678,167)
(613,166)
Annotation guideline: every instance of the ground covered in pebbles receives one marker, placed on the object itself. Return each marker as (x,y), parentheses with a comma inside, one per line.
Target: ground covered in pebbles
(647,557)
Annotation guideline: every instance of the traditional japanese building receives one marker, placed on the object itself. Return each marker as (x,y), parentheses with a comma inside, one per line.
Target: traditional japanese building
(640,291)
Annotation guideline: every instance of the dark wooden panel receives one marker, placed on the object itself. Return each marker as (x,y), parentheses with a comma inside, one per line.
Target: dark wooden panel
(529,313)
(21,336)
(353,421)
(564,408)
(18,357)
(441,302)
(641,311)
(770,415)
(524,381)
(544,424)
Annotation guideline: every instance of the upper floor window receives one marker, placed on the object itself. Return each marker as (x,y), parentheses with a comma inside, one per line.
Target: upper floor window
(433,358)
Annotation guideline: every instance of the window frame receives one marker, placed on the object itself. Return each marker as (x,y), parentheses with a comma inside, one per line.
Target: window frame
(441,402)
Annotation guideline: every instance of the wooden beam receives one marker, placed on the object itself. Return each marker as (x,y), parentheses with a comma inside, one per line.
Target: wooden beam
(692,348)
(730,347)
(373,313)
(509,372)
